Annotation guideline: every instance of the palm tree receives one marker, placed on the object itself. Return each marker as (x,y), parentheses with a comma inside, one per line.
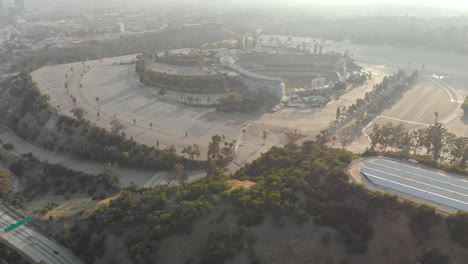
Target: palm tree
(436,114)
(264,137)
(97,102)
(243,133)
(151,126)
(58,109)
(134,121)
(98,115)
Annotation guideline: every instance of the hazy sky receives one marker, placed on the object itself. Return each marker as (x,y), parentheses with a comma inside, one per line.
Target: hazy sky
(450,4)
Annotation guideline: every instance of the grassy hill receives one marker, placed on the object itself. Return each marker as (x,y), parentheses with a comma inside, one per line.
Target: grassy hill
(293,205)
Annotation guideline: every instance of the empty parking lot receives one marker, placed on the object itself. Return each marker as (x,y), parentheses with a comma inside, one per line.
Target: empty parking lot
(437,187)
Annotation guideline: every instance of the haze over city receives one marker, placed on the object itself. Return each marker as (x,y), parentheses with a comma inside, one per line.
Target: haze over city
(234,131)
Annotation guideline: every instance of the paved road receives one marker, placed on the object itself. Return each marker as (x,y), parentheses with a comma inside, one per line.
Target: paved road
(30,243)
(128,175)
(354,170)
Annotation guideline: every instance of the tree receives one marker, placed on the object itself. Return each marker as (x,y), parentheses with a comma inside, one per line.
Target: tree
(465,106)
(190,99)
(344,140)
(234,97)
(436,256)
(214,148)
(228,151)
(110,177)
(338,113)
(436,139)
(457,224)
(79,113)
(5,182)
(189,151)
(323,138)
(264,137)
(117,126)
(179,174)
(97,102)
(211,167)
(243,133)
(196,150)
(458,147)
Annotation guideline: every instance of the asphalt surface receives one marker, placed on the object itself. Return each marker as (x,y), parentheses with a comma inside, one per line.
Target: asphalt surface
(122,97)
(32,244)
(127,175)
(434,186)
(355,172)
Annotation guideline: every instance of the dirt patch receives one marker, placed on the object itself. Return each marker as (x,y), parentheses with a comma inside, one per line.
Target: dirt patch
(74,207)
(245,184)
(292,136)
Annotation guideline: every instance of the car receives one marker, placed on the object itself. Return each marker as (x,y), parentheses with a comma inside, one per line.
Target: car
(56,252)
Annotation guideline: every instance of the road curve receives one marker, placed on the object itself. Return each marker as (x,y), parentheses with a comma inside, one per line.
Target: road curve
(30,243)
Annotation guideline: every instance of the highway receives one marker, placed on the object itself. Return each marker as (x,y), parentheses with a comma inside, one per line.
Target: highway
(30,243)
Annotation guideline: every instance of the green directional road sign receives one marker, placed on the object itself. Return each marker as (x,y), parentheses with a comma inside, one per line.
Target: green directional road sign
(17,224)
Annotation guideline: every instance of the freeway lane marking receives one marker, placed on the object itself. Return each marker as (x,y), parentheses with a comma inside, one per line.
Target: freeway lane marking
(416,189)
(400,179)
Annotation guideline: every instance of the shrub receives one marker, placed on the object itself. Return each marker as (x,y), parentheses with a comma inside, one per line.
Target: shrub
(45,210)
(457,224)
(8,146)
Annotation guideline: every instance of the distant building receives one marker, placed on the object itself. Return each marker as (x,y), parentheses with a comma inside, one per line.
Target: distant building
(120,27)
(14,11)
(19,4)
